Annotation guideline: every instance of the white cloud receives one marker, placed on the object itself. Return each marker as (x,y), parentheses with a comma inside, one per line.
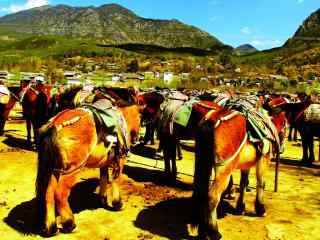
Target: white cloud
(29,4)
(266,43)
(246,30)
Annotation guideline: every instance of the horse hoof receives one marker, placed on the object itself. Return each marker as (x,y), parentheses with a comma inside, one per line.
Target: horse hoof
(51,231)
(240,209)
(117,205)
(260,209)
(104,201)
(68,226)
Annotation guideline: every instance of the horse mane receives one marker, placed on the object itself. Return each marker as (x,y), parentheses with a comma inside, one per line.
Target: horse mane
(70,92)
(123,97)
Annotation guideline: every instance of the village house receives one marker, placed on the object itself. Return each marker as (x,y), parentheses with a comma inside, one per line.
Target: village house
(69,75)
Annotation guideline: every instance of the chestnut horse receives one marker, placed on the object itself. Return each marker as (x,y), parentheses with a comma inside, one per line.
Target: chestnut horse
(6,108)
(72,140)
(223,144)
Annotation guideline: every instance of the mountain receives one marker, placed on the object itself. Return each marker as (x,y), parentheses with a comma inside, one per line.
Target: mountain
(308,33)
(245,49)
(310,27)
(107,24)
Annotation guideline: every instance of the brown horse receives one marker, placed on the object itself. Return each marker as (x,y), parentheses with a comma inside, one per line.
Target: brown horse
(28,99)
(222,144)
(72,140)
(6,108)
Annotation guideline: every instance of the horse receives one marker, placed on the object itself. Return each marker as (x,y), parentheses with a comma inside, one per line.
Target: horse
(223,144)
(28,98)
(307,130)
(6,108)
(72,140)
(65,98)
(152,101)
(170,133)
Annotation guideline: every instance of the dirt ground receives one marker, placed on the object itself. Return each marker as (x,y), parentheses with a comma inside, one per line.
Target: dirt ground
(152,209)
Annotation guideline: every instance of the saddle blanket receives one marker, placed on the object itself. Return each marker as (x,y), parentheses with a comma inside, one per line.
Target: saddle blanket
(169,109)
(260,126)
(183,114)
(4,94)
(312,113)
(111,118)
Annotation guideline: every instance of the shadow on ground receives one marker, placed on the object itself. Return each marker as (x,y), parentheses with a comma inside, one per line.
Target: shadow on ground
(144,151)
(23,217)
(169,218)
(155,176)
(17,142)
(297,163)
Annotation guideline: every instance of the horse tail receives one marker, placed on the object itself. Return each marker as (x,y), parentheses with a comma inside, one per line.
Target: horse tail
(46,165)
(204,162)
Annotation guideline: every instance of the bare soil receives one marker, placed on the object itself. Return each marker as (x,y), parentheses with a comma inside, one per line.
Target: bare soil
(152,208)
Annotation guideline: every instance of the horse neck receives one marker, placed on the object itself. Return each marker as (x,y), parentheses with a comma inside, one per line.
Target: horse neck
(279,121)
(132,117)
(8,107)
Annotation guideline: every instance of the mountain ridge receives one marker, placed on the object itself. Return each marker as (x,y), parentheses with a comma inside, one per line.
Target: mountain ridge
(108,24)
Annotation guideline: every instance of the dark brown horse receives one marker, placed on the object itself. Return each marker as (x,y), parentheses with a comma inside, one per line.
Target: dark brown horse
(30,106)
(308,130)
(75,139)
(223,145)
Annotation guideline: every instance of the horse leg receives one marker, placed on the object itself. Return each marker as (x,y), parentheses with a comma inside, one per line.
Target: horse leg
(104,180)
(115,178)
(304,140)
(173,155)
(290,133)
(208,229)
(295,134)
(2,123)
(28,131)
(166,158)
(50,224)
(179,150)
(62,193)
(241,206)
(259,203)
(228,193)
(311,148)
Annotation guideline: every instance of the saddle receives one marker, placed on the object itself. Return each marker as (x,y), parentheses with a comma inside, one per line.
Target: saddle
(111,123)
(312,113)
(4,94)
(169,109)
(260,129)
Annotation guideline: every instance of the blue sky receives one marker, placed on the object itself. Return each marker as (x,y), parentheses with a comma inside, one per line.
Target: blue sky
(262,23)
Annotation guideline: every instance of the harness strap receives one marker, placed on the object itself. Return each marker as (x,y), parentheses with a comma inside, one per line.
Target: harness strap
(224,162)
(68,123)
(206,105)
(226,118)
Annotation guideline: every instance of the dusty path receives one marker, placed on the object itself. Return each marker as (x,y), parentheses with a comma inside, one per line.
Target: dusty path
(153,210)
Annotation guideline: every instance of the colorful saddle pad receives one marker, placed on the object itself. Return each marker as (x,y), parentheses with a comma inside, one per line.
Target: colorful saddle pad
(111,118)
(312,113)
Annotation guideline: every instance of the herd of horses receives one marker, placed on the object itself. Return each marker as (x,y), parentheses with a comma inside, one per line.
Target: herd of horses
(237,133)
